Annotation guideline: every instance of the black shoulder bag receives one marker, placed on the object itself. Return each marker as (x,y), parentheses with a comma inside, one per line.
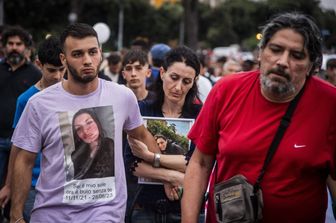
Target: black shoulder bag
(236,200)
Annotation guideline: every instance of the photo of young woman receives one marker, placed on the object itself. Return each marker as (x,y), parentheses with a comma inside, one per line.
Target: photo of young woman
(93,156)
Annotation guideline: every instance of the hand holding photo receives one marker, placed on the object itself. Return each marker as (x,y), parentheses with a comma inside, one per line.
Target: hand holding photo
(170,135)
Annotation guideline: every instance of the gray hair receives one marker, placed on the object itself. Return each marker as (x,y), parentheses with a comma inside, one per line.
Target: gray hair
(301,24)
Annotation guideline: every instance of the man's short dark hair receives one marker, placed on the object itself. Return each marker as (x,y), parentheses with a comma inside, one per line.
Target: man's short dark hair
(301,24)
(17,31)
(113,59)
(133,56)
(140,43)
(331,63)
(79,31)
(49,51)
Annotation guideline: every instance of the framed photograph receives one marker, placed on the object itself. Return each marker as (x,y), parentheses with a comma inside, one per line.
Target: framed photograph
(170,135)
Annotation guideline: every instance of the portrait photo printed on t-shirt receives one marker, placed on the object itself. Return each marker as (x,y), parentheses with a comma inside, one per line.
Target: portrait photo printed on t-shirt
(88,140)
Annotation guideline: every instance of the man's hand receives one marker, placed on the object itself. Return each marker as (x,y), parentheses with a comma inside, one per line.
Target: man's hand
(4,195)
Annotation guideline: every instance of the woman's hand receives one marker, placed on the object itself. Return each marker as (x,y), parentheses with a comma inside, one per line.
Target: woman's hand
(141,169)
(172,192)
(140,150)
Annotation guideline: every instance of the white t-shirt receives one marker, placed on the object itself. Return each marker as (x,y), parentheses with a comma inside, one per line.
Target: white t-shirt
(204,87)
(47,123)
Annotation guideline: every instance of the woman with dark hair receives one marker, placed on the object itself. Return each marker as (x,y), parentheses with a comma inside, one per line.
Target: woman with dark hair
(167,146)
(93,156)
(176,97)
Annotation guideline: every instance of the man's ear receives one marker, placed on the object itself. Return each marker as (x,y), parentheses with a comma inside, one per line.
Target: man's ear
(101,55)
(149,72)
(62,58)
(123,74)
(311,71)
(162,71)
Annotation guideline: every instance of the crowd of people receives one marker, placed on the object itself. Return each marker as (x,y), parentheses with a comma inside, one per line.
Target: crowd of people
(73,142)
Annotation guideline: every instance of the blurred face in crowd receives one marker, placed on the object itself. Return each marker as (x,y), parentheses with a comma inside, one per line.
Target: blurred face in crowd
(135,75)
(331,75)
(15,50)
(284,65)
(177,81)
(231,67)
(86,128)
(82,58)
(51,73)
(115,68)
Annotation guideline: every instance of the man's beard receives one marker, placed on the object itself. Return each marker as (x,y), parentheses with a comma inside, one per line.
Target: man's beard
(81,79)
(281,88)
(15,58)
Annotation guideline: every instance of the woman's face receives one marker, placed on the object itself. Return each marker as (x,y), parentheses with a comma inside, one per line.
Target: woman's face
(161,143)
(177,81)
(86,128)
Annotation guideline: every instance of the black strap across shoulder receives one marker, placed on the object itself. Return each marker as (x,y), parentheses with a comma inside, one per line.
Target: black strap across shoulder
(284,123)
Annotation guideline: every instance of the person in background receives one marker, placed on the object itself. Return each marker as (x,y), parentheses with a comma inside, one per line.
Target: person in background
(135,70)
(17,74)
(204,84)
(2,48)
(242,114)
(156,57)
(140,43)
(52,72)
(218,68)
(330,73)
(231,67)
(113,68)
(249,65)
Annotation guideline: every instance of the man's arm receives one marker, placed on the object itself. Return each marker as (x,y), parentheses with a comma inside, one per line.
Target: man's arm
(173,177)
(142,134)
(140,150)
(21,181)
(195,184)
(5,190)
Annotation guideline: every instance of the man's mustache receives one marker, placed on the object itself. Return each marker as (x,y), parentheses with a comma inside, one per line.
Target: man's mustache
(280,72)
(14,53)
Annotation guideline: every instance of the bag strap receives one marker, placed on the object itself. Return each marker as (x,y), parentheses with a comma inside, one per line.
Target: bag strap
(284,123)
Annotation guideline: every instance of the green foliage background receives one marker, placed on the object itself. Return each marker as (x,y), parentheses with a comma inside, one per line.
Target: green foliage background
(162,127)
(232,21)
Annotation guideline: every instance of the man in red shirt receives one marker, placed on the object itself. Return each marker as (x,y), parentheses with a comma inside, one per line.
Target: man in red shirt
(241,116)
